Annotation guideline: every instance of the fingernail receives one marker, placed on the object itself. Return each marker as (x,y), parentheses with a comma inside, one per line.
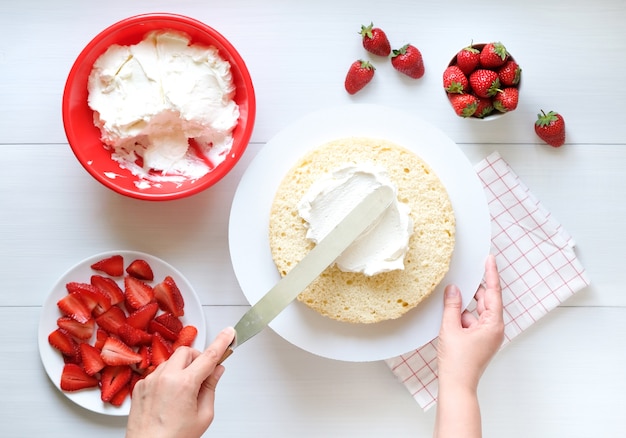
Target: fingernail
(452,291)
(230,331)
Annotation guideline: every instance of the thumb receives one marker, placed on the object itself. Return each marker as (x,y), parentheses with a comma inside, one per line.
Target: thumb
(451,308)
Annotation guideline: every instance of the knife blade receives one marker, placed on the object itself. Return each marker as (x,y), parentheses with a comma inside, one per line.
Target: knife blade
(355,223)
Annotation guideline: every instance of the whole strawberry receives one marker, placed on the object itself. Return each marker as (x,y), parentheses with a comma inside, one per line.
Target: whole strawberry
(375,40)
(493,55)
(467,59)
(506,100)
(464,105)
(408,60)
(485,83)
(483,108)
(454,80)
(510,74)
(550,128)
(359,75)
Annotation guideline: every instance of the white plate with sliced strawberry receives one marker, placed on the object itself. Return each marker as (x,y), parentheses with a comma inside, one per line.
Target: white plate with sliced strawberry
(110,320)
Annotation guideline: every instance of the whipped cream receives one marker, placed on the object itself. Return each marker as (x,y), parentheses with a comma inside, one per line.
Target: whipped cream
(151,98)
(329,199)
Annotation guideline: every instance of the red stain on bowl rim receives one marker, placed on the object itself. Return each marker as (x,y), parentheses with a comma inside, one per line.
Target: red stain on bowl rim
(84,136)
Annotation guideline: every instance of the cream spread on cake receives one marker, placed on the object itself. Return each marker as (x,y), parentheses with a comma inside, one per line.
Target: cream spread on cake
(151,98)
(383,246)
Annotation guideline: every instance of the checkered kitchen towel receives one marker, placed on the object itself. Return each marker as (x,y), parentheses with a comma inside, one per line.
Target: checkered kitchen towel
(537,264)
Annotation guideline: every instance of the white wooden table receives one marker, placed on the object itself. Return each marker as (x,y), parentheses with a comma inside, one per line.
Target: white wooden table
(565,377)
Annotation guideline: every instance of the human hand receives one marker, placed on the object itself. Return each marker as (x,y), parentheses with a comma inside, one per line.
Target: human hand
(177,399)
(466,344)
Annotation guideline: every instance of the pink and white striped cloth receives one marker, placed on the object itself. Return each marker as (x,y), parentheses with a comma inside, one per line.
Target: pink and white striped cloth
(537,263)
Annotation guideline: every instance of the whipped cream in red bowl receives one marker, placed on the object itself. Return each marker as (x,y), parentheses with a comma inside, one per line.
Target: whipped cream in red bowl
(159,107)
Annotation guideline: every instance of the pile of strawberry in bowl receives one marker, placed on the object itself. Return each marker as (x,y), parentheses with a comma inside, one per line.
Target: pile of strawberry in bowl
(482,81)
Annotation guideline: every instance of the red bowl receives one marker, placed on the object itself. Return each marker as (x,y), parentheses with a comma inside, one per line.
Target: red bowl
(84,137)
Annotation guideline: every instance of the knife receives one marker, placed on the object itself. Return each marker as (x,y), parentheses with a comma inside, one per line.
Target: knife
(311,266)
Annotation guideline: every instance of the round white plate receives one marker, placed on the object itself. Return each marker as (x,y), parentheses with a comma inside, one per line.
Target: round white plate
(249,222)
(52,359)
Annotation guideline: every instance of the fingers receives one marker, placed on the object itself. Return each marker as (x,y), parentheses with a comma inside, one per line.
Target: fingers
(468,319)
(212,371)
(206,395)
(206,362)
(492,278)
(451,308)
(211,382)
(181,358)
(480,299)
(493,291)
(221,343)
(488,297)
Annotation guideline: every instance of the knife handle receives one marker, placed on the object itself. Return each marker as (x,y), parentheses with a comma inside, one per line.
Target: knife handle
(226,354)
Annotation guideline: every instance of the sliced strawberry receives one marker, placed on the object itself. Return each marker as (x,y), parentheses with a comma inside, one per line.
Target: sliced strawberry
(120,396)
(126,348)
(146,357)
(73,358)
(73,306)
(77,286)
(101,337)
(161,349)
(112,320)
(133,336)
(103,303)
(95,299)
(186,336)
(79,330)
(112,380)
(63,341)
(141,317)
(160,328)
(169,297)
(113,266)
(138,293)
(115,352)
(91,359)
(140,269)
(170,321)
(74,378)
(108,286)
(149,370)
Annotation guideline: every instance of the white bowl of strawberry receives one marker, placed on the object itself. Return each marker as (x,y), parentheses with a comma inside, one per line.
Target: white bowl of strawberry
(482,81)
(109,321)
